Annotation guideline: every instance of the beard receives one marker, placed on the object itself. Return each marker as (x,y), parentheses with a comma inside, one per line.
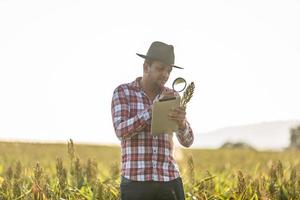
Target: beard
(160,83)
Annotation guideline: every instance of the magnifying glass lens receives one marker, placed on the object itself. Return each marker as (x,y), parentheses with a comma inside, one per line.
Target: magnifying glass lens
(179,84)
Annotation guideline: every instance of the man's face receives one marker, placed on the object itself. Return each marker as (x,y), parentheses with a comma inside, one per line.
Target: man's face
(159,73)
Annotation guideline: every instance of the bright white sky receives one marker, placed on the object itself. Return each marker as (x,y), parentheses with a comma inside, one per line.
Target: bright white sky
(61,60)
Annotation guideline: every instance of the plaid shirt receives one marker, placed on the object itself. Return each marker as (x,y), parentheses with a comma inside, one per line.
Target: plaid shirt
(144,157)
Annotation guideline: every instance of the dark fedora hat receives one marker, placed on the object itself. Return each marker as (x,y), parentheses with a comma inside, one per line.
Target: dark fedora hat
(161,52)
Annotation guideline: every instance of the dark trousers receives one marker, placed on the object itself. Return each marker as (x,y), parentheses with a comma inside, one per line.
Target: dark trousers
(151,190)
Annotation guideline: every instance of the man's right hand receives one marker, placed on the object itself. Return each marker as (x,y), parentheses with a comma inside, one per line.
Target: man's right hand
(167,93)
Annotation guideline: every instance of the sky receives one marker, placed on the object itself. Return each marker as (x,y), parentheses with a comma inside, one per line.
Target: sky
(61,60)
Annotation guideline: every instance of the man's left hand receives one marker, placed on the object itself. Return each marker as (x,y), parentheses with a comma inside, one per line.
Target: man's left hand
(178,114)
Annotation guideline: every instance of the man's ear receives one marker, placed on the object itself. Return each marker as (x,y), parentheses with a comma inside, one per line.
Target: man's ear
(146,67)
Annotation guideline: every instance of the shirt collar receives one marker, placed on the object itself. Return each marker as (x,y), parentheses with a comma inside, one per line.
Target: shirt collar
(136,84)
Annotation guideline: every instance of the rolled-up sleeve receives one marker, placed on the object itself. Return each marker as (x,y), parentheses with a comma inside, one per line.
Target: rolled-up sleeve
(185,137)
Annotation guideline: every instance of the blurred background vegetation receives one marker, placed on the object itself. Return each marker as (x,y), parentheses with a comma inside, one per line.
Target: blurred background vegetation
(68,171)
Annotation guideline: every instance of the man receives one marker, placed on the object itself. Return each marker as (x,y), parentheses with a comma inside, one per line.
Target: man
(149,170)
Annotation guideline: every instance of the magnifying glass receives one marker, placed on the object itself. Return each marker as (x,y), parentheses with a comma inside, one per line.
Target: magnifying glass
(179,84)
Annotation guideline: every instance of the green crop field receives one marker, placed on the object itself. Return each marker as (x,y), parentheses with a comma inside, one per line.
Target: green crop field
(74,171)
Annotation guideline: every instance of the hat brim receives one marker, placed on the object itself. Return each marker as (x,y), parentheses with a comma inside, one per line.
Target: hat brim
(147,57)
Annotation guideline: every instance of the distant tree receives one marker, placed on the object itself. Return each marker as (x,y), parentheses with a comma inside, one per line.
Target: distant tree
(295,138)
(236,145)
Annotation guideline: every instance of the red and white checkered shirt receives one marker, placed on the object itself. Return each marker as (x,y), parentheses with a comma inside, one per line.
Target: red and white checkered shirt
(144,157)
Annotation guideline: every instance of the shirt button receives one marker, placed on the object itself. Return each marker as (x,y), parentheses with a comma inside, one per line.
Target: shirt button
(154,151)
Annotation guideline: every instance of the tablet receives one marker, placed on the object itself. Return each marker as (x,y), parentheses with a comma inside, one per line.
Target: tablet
(161,123)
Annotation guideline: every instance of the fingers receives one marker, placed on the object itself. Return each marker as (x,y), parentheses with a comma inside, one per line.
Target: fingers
(168,94)
(179,111)
(177,114)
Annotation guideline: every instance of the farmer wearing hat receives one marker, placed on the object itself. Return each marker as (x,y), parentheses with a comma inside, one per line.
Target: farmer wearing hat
(149,170)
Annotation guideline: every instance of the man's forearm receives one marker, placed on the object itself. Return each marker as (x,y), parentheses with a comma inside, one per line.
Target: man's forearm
(185,136)
(126,128)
